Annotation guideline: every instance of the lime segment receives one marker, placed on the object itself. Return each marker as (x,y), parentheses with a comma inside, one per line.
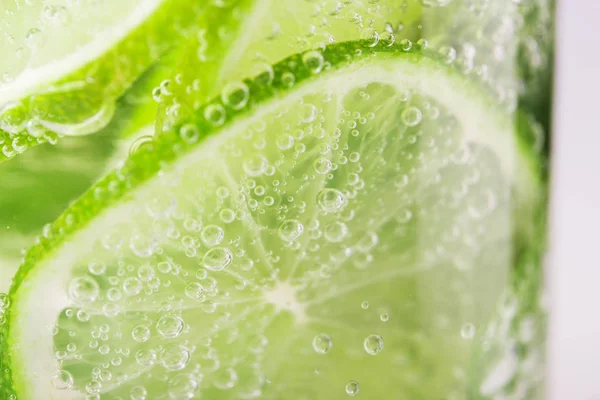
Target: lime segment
(343,228)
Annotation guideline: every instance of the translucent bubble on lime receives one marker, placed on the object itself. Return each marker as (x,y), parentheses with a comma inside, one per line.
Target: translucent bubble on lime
(169,326)
(352,388)
(290,230)
(322,343)
(217,258)
(330,200)
(373,344)
(83,289)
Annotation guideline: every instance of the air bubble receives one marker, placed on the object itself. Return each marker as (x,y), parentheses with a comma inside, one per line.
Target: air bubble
(373,344)
(268,201)
(255,165)
(193,290)
(330,200)
(174,357)
(138,143)
(290,230)
(189,133)
(111,309)
(138,393)
(308,113)
(215,114)
(209,284)
(313,60)
(367,242)
(164,267)
(19,144)
(112,241)
(83,316)
(209,307)
(145,357)
(140,333)
(449,54)
(264,74)
(56,15)
(113,294)
(217,259)
(322,343)
(235,95)
(93,387)
(142,245)
(225,379)
(83,289)
(13,118)
(4,301)
(132,286)
(145,273)
(169,326)
(335,231)
(165,87)
(182,387)
(406,44)
(411,116)
(322,165)
(352,388)
(284,141)
(288,79)
(212,235)
(62,380)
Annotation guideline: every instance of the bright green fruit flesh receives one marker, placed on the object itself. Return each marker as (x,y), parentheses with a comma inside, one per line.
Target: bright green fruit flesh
(342,228)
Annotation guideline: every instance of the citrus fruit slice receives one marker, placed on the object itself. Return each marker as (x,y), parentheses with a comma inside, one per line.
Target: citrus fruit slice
(255,34)
(66,64)
(344,228)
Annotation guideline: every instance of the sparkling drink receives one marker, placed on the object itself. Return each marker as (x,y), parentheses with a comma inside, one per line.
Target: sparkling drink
(306,199)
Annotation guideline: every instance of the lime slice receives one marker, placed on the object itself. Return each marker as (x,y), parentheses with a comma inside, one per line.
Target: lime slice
(255,34)
(66,64)
(342,229)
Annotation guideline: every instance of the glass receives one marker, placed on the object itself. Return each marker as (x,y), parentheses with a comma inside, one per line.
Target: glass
(332,199)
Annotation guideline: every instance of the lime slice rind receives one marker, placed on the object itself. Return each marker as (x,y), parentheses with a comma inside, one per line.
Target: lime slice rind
(342,67)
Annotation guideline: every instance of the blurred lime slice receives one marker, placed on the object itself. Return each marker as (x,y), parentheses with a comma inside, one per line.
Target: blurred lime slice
(325,233)
(254,34)
(66,64)
(48,178)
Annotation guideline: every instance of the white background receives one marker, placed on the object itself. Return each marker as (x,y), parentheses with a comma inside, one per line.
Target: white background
(574,267)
